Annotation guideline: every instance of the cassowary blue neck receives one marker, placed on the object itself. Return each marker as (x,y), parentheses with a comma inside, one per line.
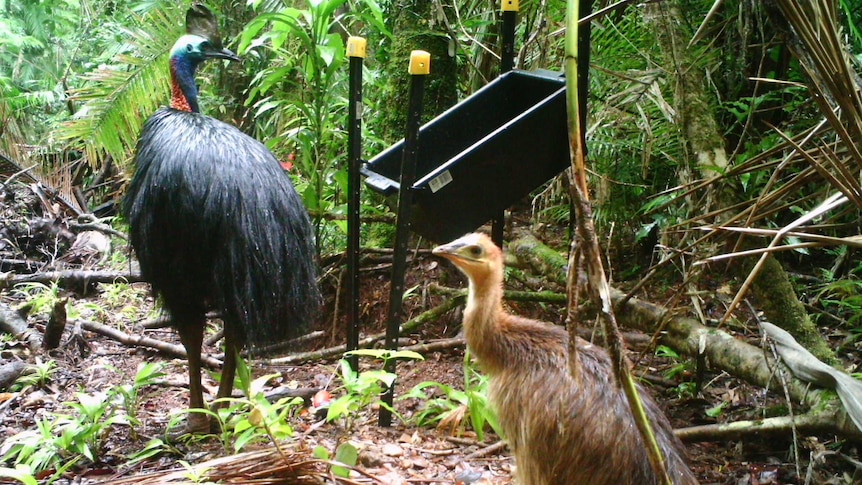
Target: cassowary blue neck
(184,94)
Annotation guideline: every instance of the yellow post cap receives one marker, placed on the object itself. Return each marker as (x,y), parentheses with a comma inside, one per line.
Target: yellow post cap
(510,6)
(420,62)
(356,46)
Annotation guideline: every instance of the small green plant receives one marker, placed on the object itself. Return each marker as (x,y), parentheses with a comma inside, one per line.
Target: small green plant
(680,368)
(716,410)
(146,376)
(686,389)
(251,419)
(455,408)
(437,411)
(121,294)
(68,438)
(33,449)
(65,441)
(345,453)
(119,260)
(84,310)
(365,388)
(154,447)
(39,297)
(194,474)
(21,473)
(124,298)
(39,375)
(86,431)
(841,297)
(255,419)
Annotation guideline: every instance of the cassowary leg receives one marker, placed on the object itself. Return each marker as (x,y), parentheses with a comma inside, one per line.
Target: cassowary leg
(231,349)
(192,336)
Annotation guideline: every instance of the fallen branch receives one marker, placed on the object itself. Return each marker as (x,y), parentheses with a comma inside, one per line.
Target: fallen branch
(274,348)
(722,350)
(488,450)
(94,225)
(171,350)
(267,466)
(436,345)
(306,393)
(10,371)
(812,423)
(511,295)
(14,323)
(407,327)
(70,278)
(165,321)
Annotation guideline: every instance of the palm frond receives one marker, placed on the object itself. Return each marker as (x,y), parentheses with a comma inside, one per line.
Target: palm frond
(823,53)
(633,138)
(807,167)
(118,98)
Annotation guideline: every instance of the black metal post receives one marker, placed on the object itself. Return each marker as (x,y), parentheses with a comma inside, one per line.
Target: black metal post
(356,53)
(507,63)
(510,20)
(420,64)
(584,35)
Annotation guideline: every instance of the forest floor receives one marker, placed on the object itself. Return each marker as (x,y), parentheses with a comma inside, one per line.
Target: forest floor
(92,364)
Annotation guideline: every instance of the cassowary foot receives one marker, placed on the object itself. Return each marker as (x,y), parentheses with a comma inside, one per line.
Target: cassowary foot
(196,424)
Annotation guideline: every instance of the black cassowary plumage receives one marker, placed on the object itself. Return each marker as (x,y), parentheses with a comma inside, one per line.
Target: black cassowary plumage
(217,225)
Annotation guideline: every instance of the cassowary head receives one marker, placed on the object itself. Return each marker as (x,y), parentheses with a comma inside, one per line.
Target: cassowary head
(476,256)
(200,43)
(196,49)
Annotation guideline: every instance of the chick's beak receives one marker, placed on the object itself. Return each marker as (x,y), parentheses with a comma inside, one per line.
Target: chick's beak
(450,251)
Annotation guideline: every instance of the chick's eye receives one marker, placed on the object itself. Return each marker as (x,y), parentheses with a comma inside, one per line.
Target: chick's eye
(475,251)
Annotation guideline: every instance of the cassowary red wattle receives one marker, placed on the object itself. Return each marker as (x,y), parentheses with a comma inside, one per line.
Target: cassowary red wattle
(217,225)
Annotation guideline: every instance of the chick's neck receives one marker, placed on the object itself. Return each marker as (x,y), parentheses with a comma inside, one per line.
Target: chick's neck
(484,310)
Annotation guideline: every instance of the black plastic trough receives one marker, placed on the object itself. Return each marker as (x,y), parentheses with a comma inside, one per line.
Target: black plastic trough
(482,155)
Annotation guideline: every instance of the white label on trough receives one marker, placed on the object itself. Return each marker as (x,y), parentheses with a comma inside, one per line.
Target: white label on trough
(440,181)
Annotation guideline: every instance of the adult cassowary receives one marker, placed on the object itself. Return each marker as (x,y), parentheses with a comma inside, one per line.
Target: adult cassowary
(216,223)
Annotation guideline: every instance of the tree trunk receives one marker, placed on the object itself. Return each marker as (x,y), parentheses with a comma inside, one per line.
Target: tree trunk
(780,305)
(415,24)
(693,101)
(695,117)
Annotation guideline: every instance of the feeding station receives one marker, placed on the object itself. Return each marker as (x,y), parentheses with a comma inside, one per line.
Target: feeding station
(462,169)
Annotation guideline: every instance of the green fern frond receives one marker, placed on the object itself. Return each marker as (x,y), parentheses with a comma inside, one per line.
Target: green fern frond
(117,99)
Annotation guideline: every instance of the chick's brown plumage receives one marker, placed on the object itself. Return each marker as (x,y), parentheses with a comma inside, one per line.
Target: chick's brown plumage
(562,430)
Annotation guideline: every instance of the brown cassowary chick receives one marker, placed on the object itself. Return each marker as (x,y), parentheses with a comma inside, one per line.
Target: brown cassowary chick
(563,431)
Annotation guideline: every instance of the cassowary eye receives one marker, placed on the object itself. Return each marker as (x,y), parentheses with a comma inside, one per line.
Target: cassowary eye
(475,251)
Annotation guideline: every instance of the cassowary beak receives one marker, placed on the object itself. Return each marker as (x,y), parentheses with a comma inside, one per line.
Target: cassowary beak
(222,54)
(453,251)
